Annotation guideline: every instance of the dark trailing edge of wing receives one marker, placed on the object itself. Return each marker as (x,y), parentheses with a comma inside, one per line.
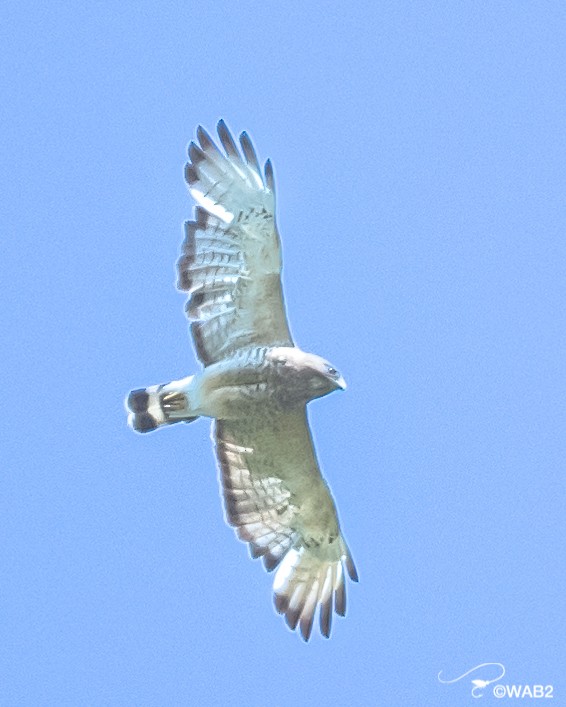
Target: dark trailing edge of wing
(246,507)
(190,174)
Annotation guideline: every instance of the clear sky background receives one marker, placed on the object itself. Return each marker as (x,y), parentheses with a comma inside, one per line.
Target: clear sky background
(420,158)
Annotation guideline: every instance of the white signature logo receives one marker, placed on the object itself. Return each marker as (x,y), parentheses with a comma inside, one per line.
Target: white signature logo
(477,685)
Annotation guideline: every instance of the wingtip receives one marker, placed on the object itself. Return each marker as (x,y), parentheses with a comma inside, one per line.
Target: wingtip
(326,617)
(340,599)
(196,155)
(269,179)
(249,151)
(226,140)
(351,568)
(306,626)
(206,142)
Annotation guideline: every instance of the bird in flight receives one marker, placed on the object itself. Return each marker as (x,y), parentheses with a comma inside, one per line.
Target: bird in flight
(255,384)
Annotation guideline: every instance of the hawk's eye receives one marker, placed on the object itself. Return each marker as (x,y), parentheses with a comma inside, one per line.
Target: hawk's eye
(332,371)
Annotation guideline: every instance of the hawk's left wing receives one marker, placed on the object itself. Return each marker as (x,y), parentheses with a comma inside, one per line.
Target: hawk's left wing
(231,262)
(275,496)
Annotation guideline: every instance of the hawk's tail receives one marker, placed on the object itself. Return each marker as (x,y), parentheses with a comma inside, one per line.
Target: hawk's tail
(158,405)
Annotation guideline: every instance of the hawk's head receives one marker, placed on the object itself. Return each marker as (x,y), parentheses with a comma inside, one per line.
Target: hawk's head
(311,375)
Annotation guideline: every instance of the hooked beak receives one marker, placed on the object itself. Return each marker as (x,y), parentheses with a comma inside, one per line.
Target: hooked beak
(341,383)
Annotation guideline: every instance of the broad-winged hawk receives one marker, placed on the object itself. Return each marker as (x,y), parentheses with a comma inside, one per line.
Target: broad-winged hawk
(255,384)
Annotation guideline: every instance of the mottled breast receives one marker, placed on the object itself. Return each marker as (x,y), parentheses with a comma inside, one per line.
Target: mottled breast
(257,380)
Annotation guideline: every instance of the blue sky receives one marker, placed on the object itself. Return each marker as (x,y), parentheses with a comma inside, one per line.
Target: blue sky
(419,154)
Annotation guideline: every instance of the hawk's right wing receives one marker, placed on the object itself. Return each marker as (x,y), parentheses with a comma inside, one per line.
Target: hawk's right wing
(231,261)
(275,496)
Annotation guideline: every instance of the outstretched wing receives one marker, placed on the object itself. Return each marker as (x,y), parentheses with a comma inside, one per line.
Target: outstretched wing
(231,261)
(276,498)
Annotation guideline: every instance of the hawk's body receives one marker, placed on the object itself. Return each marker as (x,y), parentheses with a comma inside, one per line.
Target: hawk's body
(255,384)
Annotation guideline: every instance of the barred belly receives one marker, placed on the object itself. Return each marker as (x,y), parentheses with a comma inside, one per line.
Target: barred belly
(236,387)
(230,402)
